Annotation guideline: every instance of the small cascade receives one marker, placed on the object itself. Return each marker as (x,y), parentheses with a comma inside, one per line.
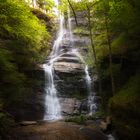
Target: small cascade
(91,102)
(56,48)
(51,101)
(88,79)
(91,97)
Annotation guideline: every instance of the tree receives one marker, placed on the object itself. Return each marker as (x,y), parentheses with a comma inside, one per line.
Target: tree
(106,6)
(88,6)
(22,37)
(73,10)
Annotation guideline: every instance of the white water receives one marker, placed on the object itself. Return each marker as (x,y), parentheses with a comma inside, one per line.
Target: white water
(56,48)
(52,105)
(91,103)
(53,110)
(88,79)
(34,3)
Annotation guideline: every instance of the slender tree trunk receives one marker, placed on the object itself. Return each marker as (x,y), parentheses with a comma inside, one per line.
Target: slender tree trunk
(110,57)
(75,17)
(93,48)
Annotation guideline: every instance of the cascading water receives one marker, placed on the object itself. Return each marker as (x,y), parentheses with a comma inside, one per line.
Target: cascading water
(88,79)
(52,105)
(91,102)
(53,110)
(56,48)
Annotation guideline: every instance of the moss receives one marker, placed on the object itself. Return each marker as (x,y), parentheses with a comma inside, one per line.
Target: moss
(99,114)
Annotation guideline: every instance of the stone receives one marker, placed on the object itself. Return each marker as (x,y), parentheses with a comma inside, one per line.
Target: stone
(25,123)
(69,59)
(106,125)
(67,105)
(66,67)
(84,106)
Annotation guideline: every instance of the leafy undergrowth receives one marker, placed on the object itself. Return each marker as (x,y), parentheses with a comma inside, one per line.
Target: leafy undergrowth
(125,111)
(77,119)
(6,122)
(81,119)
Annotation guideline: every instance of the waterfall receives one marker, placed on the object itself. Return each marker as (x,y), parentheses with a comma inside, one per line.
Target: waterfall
(64,39)
(52,105)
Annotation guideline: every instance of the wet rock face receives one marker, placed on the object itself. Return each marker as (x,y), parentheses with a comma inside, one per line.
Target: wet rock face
(70,75)
(69,68)
(69,106)
(73,106)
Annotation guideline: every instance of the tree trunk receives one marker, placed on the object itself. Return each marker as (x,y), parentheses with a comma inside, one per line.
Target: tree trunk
(110,57)
(75,17)
(93,48)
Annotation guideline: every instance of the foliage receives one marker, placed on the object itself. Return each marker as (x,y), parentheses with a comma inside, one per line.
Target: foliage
(129,93)
(124,107)
(5,122)
(22,38)
(116,22)
(46,4)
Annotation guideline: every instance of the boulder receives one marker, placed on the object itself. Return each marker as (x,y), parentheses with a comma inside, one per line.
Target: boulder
(106,125)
